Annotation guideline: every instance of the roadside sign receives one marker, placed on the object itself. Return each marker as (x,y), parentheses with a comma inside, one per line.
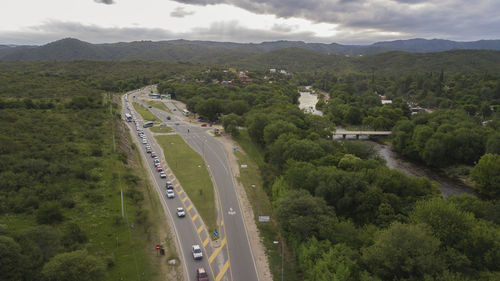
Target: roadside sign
(158,247)
(264,218)
(216,233)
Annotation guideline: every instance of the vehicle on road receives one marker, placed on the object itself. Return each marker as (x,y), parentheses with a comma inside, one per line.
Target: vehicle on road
(168,118)
(170,194)
(148,124)
(144,141)
(180,212)
(169,185)
(197,253)
(177,123)
(159,169)
(163,175)
(185,112)
(153,154)
(204,125)
(201,274)
(157,165)
(156,160)
(128,117)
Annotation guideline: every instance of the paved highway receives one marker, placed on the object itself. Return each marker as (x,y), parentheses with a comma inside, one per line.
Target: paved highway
(186,230)
(232,259)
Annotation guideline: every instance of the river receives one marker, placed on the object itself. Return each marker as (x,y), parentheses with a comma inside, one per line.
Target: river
(447,185)
(307,102)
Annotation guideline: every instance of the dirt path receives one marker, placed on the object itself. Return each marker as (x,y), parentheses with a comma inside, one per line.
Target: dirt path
(256,245)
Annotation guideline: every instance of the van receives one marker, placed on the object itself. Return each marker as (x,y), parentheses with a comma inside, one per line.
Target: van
(148,124)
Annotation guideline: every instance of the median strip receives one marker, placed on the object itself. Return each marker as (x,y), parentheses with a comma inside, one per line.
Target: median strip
(223,271)
(216,252)
(190,170)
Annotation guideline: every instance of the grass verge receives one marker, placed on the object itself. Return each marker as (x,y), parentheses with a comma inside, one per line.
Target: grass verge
(161,129)
(251,180)
(159,105)
(190,170)
(145,113)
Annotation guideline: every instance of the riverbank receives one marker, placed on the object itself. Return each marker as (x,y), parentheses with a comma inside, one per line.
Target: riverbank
(447,185)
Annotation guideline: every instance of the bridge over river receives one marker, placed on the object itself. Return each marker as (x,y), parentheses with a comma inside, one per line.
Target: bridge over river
(344,133)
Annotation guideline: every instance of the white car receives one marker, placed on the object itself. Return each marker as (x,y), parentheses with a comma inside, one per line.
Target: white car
(163,175)
(170,194)
(181,212)
(144,141)
(197,253)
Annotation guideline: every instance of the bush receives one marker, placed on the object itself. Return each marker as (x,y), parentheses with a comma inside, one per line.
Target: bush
(49,213)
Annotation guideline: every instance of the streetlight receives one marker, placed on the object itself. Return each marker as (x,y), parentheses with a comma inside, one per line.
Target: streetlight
(282,256)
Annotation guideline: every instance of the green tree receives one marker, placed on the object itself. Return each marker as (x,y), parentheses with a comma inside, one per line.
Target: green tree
(76,265)
(275,128)
(301,215)
(403,251)
(11,260)
(446,221)
(493,144)
(335,264)
(49,213)
(486,174)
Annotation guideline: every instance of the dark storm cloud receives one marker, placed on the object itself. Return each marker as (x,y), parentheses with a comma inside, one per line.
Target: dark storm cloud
(107,2)
(452,19)
(179,12)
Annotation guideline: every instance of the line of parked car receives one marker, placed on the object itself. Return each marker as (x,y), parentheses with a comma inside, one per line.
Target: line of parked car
(201,274)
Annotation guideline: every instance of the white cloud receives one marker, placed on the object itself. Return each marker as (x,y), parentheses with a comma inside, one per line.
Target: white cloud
(342,21)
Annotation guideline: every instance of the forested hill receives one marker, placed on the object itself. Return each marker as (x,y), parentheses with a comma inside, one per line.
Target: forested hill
(218,52)
(299,60)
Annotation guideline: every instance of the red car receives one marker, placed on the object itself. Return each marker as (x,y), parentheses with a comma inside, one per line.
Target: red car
(201,274)
(159,169)
(204,124)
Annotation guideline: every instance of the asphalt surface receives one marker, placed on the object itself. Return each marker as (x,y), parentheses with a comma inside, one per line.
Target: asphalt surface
(231,257)
(186,234)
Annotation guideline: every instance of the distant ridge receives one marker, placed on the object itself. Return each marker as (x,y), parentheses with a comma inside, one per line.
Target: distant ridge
(218,52)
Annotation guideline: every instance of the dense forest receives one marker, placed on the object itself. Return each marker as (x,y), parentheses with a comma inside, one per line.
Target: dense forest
(345,215)
(61,173)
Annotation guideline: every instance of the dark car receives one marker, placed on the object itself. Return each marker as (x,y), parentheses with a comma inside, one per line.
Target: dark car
(201,274)
(168,118)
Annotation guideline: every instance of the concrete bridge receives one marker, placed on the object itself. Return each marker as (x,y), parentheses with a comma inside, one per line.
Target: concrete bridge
(345,133)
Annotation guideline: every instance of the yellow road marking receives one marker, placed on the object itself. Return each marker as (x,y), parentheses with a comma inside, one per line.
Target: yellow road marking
(184,200)
(194,217)
(214,254)
(205,242)
(223,271)
(180,192)
(173,178)
(176,185)
(169,175)
(190,207)
(200,229)
(222,223)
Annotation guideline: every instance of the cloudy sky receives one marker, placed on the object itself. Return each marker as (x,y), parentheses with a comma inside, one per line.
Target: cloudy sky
(341,21)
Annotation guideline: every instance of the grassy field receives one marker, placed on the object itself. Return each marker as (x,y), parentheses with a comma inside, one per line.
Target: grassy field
(190,170)
(161,129)
(145,113)
(159,105)
(251,180)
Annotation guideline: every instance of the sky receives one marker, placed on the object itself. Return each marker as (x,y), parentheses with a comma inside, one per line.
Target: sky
(37,22)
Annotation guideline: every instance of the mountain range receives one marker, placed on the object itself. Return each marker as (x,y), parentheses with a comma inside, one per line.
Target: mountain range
(218,52)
